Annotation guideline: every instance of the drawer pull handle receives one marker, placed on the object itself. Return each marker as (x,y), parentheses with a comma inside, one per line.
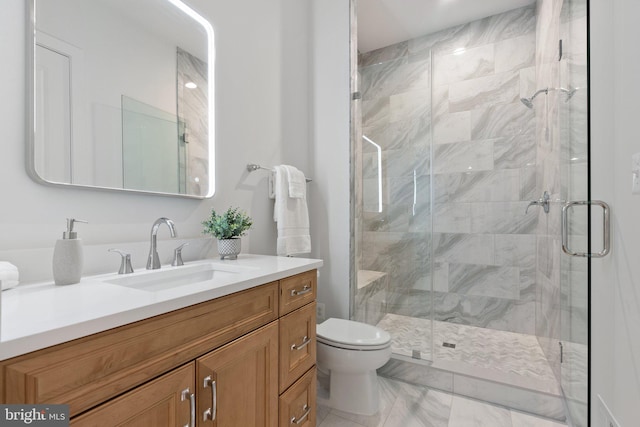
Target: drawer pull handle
(305,342)
(307,410)
(305,290)
(186,393)
(214,400)
(210,414)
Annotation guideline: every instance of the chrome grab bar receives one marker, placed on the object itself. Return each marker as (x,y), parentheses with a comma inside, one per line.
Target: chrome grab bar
(606,229)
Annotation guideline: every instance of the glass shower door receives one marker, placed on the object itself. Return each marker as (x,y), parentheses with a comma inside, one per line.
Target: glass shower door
(393,191)
(577,213)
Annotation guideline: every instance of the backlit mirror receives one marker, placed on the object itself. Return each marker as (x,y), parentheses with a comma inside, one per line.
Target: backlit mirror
(122,96)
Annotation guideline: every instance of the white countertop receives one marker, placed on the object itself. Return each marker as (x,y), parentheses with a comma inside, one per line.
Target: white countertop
(41,315)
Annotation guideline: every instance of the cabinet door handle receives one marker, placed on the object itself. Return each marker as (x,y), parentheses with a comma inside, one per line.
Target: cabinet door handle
(306,289)
(302,418)
(210,414)
(305,342)
(214,400)
(192,399)
(192,406)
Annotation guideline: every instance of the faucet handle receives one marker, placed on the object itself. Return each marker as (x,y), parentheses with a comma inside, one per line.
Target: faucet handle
(125,262)
(542,201)
(533,203)
(177,255)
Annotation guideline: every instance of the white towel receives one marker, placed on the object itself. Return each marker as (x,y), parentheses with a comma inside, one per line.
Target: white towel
(297,182)
(9,275)
(292,216)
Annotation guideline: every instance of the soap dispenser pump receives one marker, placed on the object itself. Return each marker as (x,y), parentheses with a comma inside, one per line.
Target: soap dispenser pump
(67,256)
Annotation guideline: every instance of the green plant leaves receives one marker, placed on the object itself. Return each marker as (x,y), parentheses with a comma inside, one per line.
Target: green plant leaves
(232,223)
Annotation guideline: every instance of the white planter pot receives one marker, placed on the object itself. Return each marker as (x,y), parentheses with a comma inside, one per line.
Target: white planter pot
(229,248)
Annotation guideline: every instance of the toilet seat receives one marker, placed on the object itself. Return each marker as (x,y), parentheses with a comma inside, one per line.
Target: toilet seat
(351,352)
(352,335)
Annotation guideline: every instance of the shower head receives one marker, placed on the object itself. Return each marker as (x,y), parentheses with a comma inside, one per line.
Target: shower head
(568,92)
(528,102)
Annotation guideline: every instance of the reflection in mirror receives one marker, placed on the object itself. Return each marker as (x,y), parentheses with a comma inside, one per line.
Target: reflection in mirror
(123,96)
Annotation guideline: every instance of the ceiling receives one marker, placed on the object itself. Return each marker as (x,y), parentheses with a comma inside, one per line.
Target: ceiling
(385,22)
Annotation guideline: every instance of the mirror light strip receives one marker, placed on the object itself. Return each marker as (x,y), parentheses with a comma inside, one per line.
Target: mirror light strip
(211,52)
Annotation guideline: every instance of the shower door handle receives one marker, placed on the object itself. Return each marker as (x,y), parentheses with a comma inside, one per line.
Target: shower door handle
(606,231)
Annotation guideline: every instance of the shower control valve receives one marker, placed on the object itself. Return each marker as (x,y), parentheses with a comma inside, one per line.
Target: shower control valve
(542,201)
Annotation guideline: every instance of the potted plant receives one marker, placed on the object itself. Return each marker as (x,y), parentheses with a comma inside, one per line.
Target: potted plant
(227,228)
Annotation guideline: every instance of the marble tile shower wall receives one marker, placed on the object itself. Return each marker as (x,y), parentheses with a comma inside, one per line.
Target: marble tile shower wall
(480,178)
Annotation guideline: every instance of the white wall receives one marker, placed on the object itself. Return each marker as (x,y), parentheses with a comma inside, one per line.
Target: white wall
(615,90)
(112,47)
(252,100)
(330,151)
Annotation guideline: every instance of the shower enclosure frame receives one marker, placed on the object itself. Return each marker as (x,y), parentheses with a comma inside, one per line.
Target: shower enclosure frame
(568,91)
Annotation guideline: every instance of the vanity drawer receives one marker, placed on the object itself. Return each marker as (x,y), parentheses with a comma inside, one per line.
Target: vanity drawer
(297,291)
(88,371)
(298,404)
(297,344)
(164,401)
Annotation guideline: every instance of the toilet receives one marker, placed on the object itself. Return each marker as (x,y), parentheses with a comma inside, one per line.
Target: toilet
(351,352)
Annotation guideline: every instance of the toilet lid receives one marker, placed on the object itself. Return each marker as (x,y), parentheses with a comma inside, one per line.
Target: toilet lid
(350,334)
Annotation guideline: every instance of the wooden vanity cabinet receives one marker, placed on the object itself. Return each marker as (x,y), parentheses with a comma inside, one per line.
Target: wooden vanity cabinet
(221,359)
(89,371)
(238,383)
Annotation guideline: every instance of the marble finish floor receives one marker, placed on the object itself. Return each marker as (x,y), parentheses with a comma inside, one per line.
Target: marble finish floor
(503,352)
(406,405)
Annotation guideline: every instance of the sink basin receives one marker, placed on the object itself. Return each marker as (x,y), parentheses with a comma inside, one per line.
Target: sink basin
(174,277)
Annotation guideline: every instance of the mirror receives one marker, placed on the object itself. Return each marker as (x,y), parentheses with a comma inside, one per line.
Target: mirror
(122,96)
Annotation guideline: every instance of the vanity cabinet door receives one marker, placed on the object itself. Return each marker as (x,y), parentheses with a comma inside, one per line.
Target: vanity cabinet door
(163,402)
(297,344)
(238,383)
(298,404)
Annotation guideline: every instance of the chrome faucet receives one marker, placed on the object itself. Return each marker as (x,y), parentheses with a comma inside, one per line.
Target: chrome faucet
(153,262)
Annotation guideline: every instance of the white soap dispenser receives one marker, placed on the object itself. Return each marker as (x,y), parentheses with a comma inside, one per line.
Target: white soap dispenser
(68,257)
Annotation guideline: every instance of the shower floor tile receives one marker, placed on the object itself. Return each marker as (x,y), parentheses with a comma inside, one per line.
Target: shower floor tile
(492,350)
